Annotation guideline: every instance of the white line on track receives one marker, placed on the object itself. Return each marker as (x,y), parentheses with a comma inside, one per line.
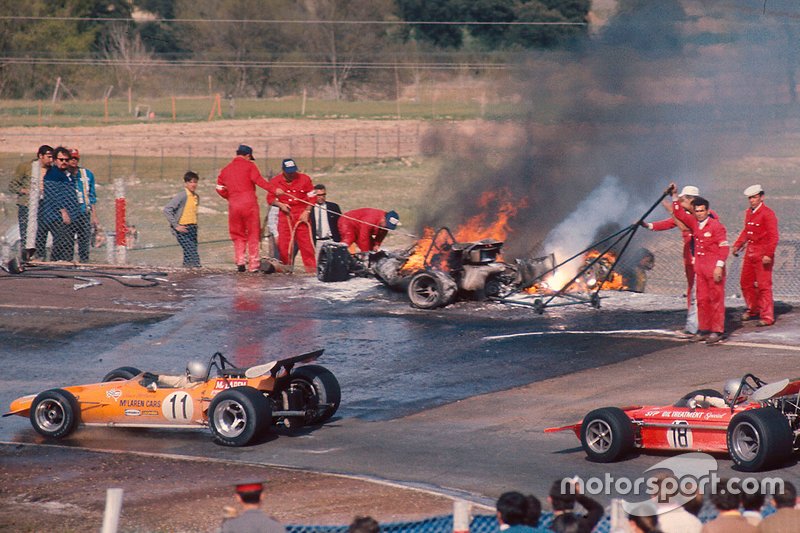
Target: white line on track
(643,332)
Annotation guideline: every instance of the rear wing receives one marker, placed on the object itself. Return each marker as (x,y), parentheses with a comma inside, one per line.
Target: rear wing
(274,367)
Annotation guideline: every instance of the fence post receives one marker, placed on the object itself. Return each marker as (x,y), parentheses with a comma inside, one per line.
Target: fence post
(313,151)
(112,512)
(119,226)
(461,511)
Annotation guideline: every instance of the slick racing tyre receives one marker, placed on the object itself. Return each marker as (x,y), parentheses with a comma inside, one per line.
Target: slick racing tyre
(318,392)
(54,413)
(759,439)
(123,373)
(606,434)
(684,401)
(431,289)
(333,262)
(236,416)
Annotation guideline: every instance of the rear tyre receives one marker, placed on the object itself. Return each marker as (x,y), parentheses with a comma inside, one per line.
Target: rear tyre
(684,401)
(431,289)
(238,415)
(123,373)
(607,434)
(319,391)
(759,439)
(54,413)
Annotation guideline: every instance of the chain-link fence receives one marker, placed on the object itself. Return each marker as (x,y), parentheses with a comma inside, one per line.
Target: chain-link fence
(150,182)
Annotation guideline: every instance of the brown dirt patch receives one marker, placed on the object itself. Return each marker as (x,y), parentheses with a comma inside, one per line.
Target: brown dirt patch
(50,488)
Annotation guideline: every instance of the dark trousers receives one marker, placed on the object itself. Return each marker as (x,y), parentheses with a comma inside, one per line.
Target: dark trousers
(41,235)
(82,228)
(188,242)
(22,219)
(63,240)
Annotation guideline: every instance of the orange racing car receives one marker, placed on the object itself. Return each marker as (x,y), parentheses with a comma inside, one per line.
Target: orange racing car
(237,404)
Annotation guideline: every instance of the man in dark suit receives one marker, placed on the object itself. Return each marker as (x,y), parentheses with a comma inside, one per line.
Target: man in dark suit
(324,219)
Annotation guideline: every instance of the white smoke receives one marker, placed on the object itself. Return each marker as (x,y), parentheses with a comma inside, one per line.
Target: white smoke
(608,203)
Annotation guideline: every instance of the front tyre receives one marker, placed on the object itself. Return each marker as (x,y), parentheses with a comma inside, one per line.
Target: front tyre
(431,289)
(759,439)
(607,434)
(54,413)
(238,415)
(123,373)
(319,392)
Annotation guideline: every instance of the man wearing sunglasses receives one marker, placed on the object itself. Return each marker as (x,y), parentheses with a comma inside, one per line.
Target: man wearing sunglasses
(59,207)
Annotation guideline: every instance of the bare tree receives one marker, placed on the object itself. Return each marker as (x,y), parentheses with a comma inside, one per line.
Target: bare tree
(128,55)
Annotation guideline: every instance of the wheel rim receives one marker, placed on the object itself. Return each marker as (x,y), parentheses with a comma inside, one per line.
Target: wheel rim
(746,441)
(230,418)
(425,290)
(599,436)
(50,415)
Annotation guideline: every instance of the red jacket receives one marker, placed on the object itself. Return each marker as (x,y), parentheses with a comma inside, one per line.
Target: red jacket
(760,232)
(710,242)
(237,181)
(298,188)
(363,233)
(669,223)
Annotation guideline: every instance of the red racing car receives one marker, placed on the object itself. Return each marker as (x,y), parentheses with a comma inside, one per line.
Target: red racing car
(757,423)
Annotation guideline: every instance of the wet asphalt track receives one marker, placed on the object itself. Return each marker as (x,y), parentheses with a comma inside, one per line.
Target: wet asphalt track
(391,361)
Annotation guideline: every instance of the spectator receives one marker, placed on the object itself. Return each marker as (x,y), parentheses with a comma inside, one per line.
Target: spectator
(760,235)
(563,495)
(83,178)
(367,227)
(534,511)
(294,226)
(513,513)
(364,524)
(643,524)
(59,207)
(787,516)
(237,184)
(710,252)
(672,518)
(28,205)
(324,218)
(181,212)
(752,502)
(252,518)
(725,498)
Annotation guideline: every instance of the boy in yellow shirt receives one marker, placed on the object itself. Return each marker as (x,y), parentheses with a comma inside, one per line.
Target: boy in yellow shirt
(181,212)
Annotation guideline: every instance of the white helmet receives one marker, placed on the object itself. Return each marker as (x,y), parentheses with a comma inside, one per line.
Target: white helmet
(196,370)
(732,387)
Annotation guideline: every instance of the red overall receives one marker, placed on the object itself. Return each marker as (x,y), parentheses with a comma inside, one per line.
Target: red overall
(760,234)
(237,183)
(289,226)
(688,257)
(710,248)
(363,230)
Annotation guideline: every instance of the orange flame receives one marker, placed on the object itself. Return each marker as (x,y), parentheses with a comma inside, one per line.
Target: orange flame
(588,281)
(481,226)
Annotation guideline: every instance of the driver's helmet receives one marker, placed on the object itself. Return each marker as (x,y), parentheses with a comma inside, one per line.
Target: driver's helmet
(196,370)
(730,389)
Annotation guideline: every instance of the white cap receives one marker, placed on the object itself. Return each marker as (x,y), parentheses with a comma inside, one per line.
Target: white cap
(690,190)
(753,190)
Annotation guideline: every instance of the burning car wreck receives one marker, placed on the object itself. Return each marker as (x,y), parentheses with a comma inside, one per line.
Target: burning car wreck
(439,270)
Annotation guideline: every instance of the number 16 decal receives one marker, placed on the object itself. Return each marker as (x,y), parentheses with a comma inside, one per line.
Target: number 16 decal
(178,406)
